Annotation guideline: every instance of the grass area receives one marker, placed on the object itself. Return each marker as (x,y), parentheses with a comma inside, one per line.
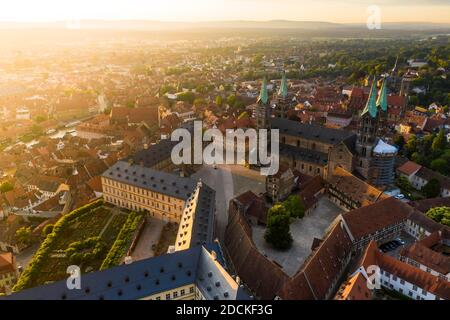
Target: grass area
(99,222)
(167,238)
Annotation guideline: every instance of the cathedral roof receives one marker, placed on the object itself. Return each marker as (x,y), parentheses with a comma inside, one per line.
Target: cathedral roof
(382,98)
(371,105)
(283,92)
(263,95)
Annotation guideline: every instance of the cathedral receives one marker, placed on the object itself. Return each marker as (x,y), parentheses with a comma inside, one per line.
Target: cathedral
(317,150)
(375,158)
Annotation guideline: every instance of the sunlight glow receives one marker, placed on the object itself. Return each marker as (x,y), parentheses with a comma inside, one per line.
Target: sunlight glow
(208,10)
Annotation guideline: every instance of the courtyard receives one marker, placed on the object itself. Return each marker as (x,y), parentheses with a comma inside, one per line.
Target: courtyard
(303,232)
(229,181)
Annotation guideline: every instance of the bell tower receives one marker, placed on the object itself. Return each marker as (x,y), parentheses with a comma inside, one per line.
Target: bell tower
(262,108)
(367,133)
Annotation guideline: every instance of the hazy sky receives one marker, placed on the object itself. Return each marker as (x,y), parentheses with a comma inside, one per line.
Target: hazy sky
(206,10)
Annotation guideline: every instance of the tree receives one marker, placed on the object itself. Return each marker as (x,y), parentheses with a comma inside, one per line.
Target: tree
(40,118)
(219,101)
(294,206)
(36,130)
(403,184)
(6,186)
(432,189)
(278,233)
(231,100)
(439,165)
(199,101)
(400,141)
(440,214)
(439,141)
(411,145)
(24,235)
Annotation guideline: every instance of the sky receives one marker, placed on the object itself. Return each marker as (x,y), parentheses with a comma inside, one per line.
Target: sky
(343,11)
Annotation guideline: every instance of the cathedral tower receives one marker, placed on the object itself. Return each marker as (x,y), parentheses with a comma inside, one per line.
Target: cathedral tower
(262,109)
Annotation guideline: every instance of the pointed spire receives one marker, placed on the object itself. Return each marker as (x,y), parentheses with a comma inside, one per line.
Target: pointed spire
(263,95)
(371,105)
(382,97)
(283,92)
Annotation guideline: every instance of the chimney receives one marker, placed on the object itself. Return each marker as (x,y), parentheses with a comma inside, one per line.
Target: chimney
(238,280)
(214,255)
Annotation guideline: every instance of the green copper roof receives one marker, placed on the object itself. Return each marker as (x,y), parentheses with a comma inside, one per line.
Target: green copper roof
(283,88)
(382,98)
(371,105)
(263,95)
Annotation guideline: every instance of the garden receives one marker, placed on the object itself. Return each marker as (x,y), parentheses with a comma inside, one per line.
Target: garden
(93,237)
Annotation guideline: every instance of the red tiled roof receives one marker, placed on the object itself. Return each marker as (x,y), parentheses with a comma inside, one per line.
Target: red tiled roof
(422,252)
(322,270)
(409,168)
(369,219)
(7,263)
(355,289)
(416,276)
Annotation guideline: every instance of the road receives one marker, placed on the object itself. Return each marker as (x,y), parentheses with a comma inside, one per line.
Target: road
(229,181)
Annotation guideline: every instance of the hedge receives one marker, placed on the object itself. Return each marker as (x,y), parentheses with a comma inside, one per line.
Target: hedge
(120,246)
(28,276)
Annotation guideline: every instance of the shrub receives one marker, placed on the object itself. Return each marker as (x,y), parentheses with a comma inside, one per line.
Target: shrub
(123,240)
(28,276)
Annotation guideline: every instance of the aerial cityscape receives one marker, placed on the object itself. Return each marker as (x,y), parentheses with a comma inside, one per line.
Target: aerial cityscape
(225,150)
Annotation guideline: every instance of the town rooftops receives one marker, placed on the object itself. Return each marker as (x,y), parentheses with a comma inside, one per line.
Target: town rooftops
(375,217)
(310,131)
(144,278)
(150,179)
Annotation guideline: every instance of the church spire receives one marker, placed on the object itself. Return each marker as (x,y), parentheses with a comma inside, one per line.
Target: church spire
(263,95)
(283,88)
(371,105)
(382,98)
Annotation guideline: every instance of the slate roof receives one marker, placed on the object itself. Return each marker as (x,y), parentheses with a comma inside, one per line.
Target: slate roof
(150,179)
(144,278)
(154,154)
(305,155)
(310,131)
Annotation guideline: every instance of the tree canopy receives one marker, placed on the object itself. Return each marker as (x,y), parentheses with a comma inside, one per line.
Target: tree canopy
(278,232)
(440,214)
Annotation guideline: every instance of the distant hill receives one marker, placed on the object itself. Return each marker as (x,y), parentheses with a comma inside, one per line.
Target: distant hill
(147,25)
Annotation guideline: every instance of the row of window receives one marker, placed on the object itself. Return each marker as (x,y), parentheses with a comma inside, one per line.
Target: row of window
(175,294)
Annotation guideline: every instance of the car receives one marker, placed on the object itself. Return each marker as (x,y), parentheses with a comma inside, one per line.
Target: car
(402,242)
(400,196)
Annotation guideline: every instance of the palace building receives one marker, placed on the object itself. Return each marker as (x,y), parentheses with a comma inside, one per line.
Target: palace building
(163,196)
